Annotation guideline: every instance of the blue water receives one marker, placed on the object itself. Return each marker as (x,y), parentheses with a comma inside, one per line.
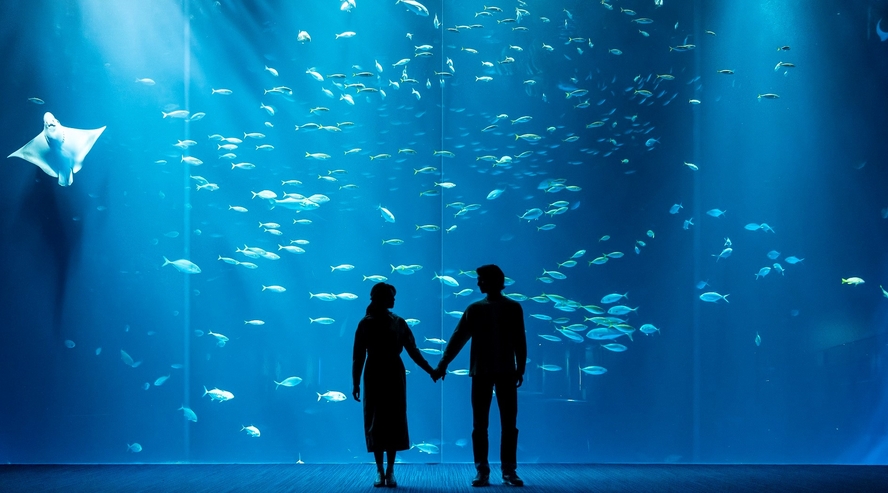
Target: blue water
(83,265)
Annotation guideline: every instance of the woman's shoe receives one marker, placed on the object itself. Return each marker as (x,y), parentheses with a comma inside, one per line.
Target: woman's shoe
(380,479)
(390,480)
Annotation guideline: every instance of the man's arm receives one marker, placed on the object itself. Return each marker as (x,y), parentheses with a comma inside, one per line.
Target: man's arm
(461,335)
(520,342)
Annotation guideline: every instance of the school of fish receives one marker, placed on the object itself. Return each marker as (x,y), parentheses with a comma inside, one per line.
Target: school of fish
(471,49)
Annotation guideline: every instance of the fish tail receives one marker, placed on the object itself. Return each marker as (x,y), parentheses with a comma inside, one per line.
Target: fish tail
(205,390)
(278,384)
(166,262)
(725,297)
(319,396)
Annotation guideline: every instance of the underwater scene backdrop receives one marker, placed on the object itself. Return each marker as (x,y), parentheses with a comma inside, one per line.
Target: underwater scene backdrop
(688,199)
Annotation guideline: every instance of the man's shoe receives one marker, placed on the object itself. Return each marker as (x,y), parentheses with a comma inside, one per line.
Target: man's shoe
(512,479)
(481,479)
(380,480)
(390,480)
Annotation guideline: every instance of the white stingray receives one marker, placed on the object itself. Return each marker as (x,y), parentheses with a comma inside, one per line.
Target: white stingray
(59,151)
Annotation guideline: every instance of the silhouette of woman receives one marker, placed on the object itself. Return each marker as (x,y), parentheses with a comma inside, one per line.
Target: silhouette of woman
(379,339)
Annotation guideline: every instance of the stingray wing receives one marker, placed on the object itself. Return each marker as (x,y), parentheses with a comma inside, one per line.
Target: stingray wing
(38,152)
(78,143)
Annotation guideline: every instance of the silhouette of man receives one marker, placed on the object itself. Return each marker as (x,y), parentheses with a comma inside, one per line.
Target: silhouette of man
(498,357)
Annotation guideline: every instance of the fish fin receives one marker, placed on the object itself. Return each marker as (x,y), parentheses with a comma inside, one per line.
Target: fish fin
(78,143)
(37,152)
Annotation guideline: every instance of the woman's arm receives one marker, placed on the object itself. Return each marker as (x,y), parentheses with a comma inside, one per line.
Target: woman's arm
(412,350)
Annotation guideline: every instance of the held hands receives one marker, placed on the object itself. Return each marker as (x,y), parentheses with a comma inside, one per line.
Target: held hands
(356,392)
(437,373)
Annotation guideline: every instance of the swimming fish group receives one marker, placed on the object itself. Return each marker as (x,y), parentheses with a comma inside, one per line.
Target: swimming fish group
(502,169)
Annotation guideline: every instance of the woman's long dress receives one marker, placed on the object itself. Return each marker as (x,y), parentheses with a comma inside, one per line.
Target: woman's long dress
(379,339)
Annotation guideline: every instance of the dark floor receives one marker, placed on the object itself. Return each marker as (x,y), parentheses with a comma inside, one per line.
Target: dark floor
(195,478)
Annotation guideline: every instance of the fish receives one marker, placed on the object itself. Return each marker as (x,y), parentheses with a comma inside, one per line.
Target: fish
(648,329)
(331,396)
(594,370)
(724,254)
(531,214)
(549,367)
(415,7)
(251,430)
(621,310)
(58,150)
(187,413)
(386,214)
(853,281)
(496,193)
(181,114)
(613,298)
(161,380)
(288,382)
(713,297)
(323,296)
(427,447)
(127,359)
(135,448)
(218,394)
(617,348)
(182,265)
(447,280)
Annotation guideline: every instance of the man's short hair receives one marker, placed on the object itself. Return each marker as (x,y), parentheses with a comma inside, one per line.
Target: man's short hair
(493,276)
